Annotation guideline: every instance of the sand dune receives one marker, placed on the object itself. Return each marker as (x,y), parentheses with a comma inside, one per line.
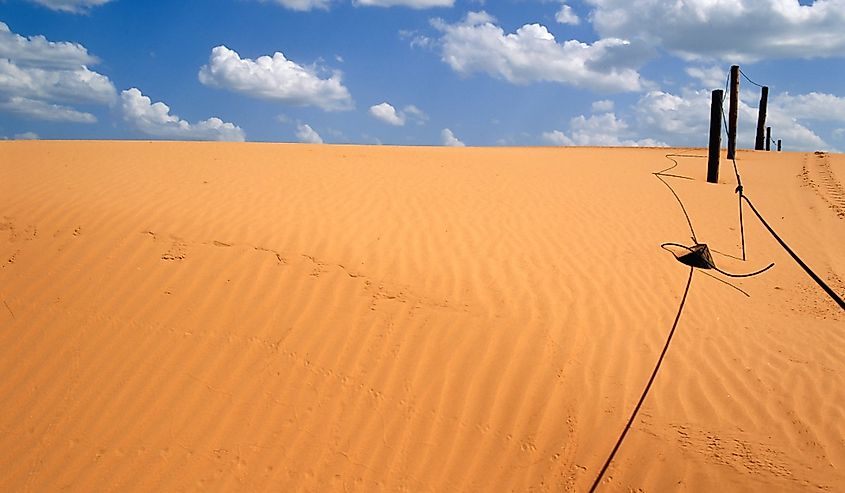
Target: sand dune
(210,316)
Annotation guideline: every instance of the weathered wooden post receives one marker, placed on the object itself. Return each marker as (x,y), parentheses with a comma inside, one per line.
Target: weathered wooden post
(733,111)
(778,145)
(768,138)
(715,136)
(761,119)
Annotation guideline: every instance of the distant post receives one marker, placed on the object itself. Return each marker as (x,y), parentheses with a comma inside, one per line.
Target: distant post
(761,119)
(715,136)
(778,145)
(769,138)
(733,111)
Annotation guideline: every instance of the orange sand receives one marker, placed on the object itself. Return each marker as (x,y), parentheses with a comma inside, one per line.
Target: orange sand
(195,316)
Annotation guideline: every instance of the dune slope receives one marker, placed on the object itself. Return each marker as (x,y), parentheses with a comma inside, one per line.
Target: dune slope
(192,316)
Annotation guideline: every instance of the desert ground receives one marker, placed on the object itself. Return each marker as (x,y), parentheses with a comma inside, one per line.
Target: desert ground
(286,317)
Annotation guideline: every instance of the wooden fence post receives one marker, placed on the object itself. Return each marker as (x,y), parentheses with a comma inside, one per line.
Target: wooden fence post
(733,111)
(715,136)
(768,138)
(761,118)
(778,145)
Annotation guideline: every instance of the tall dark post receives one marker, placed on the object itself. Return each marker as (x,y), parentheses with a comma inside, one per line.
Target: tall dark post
(761,119)
(715,136)
(733,111)
(778,145)
(768,138)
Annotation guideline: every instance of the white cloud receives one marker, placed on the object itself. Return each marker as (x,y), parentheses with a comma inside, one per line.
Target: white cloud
(449,139)
(531,54)
(302,5)
(306,5)
(602,106)
(684,120)
(598,130)
(567,16)
(680,119)
(72,6)
(730,30)
(154,119)
(795,135)
(416,114)
(306,134)
(37,51)
(414,4)
(417,40)
(274,78)
(27,136)
(712,76)
(557,138)
(813,106)
(80,85)
(35,73)
(40,110)
(387,113)
(604,128)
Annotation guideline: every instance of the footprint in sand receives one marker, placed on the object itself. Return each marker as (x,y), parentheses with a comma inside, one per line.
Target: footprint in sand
(177,251)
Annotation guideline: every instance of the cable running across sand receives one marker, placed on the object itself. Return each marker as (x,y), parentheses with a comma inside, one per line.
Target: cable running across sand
(647,387)
(709,264)
(704,261)
(660,174)
(739,189)
(830,292)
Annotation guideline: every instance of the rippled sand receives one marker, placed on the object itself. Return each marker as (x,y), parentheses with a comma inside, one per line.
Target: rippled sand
(216,316)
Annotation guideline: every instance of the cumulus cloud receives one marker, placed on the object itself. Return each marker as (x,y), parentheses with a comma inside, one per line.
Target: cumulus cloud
(531,54)
(154,119)
(390,115)
(27,136)
(567,16)
(449,139)
(36,73)
(602,106)
(302,5)
(414,4)
(413,113)
(683,120)
(40,110)
(557,138)
(275,78)
(712,76)
(598,130)
(306,5)
(308,135)
(417,40)
(387,113)
(796,135)
(71,6)
(732,30)
(813,106)
(38,52)
(78,85)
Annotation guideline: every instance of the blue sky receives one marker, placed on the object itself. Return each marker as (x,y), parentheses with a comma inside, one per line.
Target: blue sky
(418,72)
